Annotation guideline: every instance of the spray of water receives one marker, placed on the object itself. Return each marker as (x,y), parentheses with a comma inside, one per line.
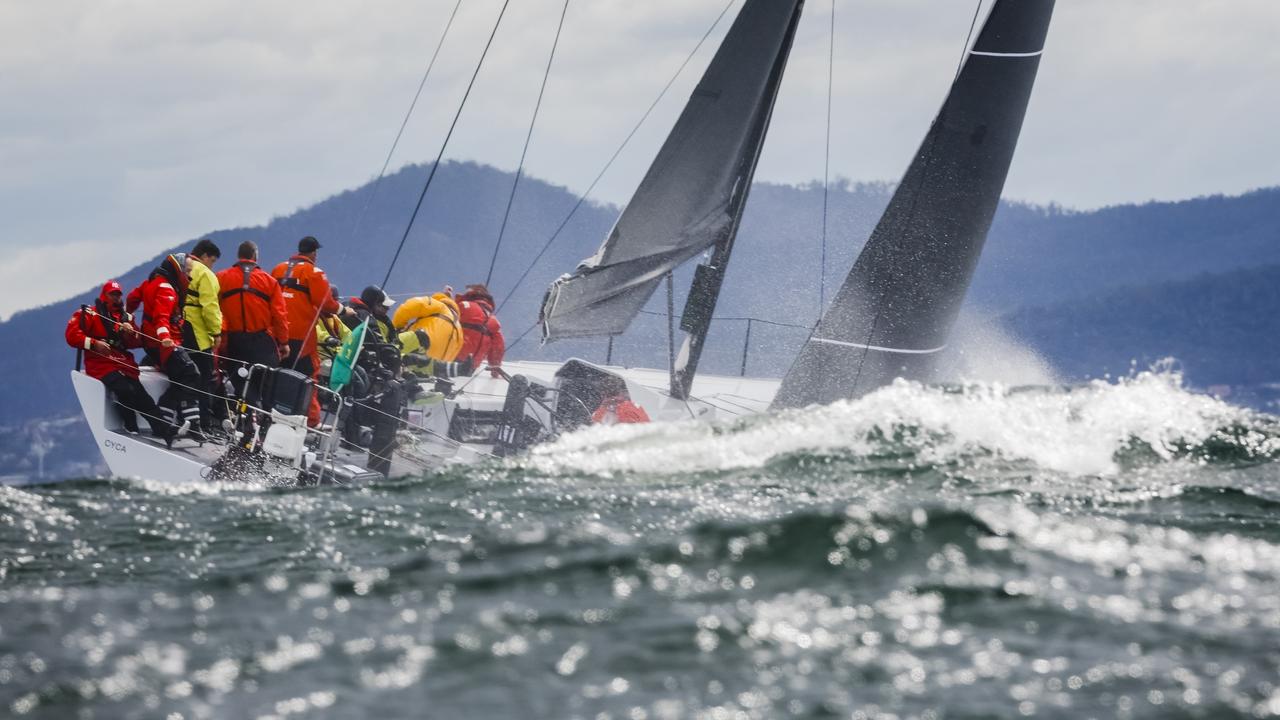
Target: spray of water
(1079,431)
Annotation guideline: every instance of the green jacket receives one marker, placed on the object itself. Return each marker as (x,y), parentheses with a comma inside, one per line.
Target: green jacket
(201,308)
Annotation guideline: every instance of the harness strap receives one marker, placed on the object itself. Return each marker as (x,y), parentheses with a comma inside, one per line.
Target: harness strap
(246,288)
(246,272)
(110,329)
(293,283)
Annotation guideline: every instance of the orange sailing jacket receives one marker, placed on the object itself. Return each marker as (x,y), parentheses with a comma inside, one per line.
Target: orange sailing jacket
(306,296)
(251,301)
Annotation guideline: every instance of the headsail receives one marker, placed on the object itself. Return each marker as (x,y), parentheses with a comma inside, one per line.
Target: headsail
(895,310)
(692,196)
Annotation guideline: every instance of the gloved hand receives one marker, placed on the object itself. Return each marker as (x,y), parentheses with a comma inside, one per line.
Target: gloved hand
(424,340)
(495,371)
(332,342)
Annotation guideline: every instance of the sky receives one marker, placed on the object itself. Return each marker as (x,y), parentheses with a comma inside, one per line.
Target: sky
(128,126)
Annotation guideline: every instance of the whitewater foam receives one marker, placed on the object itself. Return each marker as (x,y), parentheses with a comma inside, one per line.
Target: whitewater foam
(1078,431)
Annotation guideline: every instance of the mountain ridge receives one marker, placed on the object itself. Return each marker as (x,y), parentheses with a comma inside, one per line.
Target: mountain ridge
(1035,257)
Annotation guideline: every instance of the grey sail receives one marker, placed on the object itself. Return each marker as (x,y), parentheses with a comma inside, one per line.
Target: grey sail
(692,196)
(896,308)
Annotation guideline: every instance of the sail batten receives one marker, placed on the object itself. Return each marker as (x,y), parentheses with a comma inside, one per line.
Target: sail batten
(906,287)
(690,199)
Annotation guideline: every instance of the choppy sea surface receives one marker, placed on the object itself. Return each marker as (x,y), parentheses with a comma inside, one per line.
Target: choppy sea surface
(1108,550)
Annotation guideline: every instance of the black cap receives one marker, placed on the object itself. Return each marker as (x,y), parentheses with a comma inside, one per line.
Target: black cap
(373,296)
(308,244)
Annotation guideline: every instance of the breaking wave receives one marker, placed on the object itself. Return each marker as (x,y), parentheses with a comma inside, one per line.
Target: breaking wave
(1096,429)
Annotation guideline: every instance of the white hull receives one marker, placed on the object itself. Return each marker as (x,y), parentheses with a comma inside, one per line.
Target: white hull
(134,456)
(438,439)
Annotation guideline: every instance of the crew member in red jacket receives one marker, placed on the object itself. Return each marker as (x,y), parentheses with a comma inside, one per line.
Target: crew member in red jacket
(307,297)
(619,410)
(254,317)
(161,298)
(105,332)
(481,332)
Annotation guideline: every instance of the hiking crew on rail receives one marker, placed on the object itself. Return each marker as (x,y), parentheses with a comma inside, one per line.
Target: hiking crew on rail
(202,331)
(306,298)
(254,317)
(203,328)
(161,298)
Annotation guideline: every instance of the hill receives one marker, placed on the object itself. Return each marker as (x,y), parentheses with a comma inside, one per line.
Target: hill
(1223,328)
(1071,283)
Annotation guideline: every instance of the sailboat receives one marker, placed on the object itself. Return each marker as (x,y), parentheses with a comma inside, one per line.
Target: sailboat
(894,312)
(890,318)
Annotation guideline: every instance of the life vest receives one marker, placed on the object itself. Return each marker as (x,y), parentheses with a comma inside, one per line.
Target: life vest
(437,316)
(108,326)
(481,327)
(246,270)
(292,283)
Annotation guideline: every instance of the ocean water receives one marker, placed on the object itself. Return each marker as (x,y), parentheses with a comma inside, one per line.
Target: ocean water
(1108,550)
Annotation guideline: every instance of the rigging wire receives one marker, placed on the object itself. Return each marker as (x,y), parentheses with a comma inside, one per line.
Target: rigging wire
(436,165)
(506,215)
(972,24)
(826,165)
(399,133)
(582,198)
(373,193)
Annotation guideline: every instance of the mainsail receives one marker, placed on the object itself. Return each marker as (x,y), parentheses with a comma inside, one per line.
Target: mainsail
(692,197)
(896,308)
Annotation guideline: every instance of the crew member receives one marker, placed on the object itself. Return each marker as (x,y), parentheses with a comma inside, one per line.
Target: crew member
(434,321)
(617,409)
(373,305)
(254,319)
(307,297)
(203,327)
(331,332)
(105,333)
(386,401)
(161,298)
(482,339)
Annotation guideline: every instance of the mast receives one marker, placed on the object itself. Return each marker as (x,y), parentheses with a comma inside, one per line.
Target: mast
(708,278)
(691,199)
(894,313)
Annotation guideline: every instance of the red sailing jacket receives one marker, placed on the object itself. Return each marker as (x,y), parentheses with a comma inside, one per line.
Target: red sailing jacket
(112,326)
(305,288)
(481,332)
(619,410)
(162,308)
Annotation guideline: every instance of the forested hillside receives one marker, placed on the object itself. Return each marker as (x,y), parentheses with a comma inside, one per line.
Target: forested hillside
(1072,264)
(1222,328)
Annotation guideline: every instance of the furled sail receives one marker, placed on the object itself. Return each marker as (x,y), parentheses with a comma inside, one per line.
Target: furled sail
(692,196)
(896,308)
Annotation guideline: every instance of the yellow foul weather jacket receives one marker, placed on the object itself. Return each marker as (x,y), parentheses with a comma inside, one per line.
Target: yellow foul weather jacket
(201,309)
(326,330)
(437,316)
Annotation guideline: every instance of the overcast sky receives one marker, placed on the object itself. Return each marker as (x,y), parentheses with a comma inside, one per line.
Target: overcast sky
(127,126)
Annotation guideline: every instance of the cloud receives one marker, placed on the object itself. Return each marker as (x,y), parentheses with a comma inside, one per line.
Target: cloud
(147,119)
(40,275)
